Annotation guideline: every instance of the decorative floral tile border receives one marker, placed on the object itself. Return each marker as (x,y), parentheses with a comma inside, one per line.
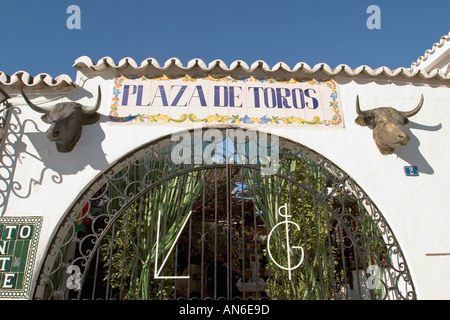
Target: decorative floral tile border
(336,119)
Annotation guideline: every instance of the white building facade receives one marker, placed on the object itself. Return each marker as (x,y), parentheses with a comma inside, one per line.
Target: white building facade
(39,181)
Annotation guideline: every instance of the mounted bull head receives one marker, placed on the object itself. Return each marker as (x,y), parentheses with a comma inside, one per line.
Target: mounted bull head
(67,119)
(388,131)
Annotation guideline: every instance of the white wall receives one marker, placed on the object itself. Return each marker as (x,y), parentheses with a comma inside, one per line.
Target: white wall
(45,182)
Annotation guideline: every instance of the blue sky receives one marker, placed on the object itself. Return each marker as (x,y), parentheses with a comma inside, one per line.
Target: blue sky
(35,37)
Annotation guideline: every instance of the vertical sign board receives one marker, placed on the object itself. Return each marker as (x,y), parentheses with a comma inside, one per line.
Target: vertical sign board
(19,237)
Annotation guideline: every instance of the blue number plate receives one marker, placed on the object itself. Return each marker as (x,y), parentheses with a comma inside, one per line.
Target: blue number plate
(411,171)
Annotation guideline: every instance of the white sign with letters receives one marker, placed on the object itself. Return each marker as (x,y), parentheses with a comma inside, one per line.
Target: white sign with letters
(227,100)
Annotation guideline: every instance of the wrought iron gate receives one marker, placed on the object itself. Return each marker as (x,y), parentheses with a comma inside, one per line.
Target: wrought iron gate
(152,228)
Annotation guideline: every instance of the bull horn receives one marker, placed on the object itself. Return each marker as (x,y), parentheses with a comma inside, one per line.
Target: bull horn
(93,109)
(358,108)
(32,106)
(407,114)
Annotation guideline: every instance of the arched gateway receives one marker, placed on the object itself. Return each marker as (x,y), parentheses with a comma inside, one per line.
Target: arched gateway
(174,220)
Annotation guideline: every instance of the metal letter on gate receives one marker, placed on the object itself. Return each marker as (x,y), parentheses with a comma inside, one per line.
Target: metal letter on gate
(288,246)
(157,272)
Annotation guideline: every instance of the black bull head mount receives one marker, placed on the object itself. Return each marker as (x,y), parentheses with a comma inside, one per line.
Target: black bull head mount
(66,120)
(387,123)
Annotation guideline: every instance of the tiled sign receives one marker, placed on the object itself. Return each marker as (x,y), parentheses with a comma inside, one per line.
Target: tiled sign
(227,100)
(19,237)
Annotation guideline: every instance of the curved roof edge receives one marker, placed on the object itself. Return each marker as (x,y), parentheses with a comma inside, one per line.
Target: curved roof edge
(21,79)
(430,52)
(86,65)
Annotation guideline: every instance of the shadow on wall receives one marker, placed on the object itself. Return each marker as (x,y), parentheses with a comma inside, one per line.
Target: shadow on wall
(88,151)
(411,152)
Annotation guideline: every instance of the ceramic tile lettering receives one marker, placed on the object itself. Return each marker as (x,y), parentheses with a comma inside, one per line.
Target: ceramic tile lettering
(19,238)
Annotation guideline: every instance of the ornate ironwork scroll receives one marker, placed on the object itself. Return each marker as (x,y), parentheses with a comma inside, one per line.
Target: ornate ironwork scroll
(212,221)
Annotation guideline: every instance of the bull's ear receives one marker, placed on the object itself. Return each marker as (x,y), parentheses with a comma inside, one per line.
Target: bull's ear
(90,118)
(364,121)
(405,121)
(46,119)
